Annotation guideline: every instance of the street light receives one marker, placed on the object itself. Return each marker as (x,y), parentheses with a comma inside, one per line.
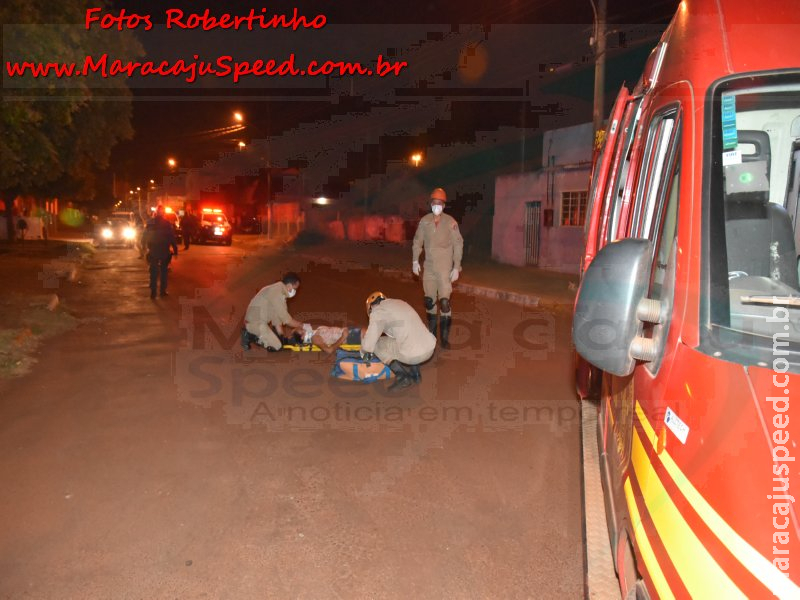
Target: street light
(238,117)
(171,162)
(242,145)
(416,158)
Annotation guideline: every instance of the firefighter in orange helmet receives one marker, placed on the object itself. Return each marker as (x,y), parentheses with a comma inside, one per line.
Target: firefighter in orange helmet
(398,337)
(438,234)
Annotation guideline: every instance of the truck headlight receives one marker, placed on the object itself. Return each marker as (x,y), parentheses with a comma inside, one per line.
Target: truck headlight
(107,233)
(128,233)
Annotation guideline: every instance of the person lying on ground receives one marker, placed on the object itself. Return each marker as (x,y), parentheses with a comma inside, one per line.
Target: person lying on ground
(330,338)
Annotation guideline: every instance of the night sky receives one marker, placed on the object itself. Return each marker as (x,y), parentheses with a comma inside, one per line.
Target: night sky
(175,118)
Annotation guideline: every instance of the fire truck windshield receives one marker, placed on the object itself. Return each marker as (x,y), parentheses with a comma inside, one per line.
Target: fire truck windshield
(753,297)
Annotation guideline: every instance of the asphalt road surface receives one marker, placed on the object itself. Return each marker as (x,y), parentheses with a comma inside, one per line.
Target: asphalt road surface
(147,456)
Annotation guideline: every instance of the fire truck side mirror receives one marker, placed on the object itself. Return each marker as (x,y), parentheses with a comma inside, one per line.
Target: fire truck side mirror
(605,324)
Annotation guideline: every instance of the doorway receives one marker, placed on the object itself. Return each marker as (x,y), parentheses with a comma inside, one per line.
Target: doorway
(533,215)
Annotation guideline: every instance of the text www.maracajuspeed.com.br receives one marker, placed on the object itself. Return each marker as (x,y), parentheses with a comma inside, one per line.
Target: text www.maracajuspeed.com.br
(191,70)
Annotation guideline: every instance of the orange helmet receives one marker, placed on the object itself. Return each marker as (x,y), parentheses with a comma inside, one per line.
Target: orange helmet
(374,296)
(438,194)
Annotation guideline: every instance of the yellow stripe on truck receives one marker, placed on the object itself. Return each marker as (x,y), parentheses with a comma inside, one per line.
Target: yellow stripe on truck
(763,569)
(698,570)
(645,549)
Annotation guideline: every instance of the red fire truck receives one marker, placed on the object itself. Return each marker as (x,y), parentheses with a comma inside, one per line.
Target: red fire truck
(687,320)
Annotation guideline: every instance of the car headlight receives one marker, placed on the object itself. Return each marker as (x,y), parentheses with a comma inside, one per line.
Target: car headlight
(219,230)
(128,233)
(107,233)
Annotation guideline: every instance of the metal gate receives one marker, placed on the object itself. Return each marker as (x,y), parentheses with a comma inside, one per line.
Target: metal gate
(533,214)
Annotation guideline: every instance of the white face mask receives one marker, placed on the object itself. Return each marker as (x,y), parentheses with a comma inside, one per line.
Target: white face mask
(437,209)
(291,292)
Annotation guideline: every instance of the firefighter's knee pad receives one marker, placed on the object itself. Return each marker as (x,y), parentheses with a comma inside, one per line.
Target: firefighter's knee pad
(444,304)
(429,303)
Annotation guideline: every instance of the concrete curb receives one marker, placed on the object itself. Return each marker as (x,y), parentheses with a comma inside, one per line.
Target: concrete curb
(464,288)
(496,294)
(600,578)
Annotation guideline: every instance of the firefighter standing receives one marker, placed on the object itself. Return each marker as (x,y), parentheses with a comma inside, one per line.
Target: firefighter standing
(406,342)
(438,234)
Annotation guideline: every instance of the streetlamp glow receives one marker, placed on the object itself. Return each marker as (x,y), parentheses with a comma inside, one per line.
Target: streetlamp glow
(171,162)
(241,145)
(416,158)
(238,117)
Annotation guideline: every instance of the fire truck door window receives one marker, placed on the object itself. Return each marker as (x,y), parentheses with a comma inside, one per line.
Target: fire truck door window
(662,273)
(659,143)
(752,217)
(599,193)
(793,192)
(648,162)
(627,136)
(610,193)
(665,240)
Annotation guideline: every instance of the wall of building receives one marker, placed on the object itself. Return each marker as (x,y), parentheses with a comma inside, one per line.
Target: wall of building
(512,193)
(566,167)
(561,247)
(568,145)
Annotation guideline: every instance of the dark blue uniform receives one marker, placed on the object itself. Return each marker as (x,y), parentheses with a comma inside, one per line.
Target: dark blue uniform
(188,229)
(159,239)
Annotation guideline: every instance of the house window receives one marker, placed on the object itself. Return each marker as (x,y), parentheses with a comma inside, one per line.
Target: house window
(573,209)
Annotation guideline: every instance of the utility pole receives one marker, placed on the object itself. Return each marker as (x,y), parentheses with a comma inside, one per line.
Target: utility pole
(598,112)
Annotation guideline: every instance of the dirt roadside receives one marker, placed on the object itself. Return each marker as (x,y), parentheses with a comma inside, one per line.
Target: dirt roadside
(37,277)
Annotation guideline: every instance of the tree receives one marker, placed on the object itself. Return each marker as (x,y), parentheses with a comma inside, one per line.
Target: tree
(57,132)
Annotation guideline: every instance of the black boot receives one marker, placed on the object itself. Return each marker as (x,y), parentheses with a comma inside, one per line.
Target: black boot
(432,323)
(416,376)
(444,331)
(245,339)
(401,374)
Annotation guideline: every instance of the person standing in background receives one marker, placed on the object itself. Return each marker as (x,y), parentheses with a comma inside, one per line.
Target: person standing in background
(438,234)
(159,240)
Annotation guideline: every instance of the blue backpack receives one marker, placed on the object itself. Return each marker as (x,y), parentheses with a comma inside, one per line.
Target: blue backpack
(349,366)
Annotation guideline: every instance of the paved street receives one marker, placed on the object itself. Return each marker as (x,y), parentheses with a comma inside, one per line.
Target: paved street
(148,457)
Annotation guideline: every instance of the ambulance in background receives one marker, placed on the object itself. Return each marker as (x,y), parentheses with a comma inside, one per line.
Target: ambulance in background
(213,226)
(687,320)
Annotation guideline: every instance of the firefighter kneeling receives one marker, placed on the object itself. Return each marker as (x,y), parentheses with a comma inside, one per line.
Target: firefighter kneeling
(406,344)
